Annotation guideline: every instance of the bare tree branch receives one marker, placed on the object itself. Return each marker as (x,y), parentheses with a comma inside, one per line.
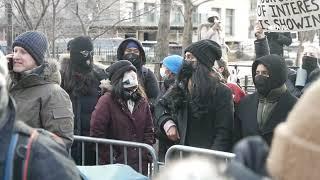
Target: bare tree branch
(121,20)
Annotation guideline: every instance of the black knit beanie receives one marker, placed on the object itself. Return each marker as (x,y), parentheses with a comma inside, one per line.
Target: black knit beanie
(117,69)
(206,51)
(35,43)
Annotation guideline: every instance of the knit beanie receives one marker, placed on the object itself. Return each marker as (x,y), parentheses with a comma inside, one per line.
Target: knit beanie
(295,150)
(35,43)
(116,70)
(206,51)
(173,63)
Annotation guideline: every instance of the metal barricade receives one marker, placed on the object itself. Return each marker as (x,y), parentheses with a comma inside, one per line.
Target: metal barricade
(188,149)
(154,168)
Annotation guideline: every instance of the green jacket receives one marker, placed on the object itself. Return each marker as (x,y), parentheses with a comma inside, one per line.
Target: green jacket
(41,102)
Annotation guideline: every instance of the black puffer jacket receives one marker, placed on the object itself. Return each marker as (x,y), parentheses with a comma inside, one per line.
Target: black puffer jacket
(146,77)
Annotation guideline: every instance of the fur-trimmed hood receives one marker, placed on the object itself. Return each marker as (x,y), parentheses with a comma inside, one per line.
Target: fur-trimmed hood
(46,73)
(105,86)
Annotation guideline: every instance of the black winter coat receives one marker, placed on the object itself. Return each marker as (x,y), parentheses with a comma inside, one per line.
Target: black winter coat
(212,131)
(246,123)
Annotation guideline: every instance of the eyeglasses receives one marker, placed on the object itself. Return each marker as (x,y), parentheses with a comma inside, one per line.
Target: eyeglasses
(86,53)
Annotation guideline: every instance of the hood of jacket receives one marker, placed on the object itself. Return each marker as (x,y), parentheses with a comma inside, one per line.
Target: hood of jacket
(123,46)
(46,73)
(276,67)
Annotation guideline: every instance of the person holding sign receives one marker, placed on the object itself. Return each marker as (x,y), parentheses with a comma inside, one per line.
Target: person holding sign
(277,40)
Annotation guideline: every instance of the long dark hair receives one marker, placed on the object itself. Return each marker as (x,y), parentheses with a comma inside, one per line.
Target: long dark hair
(203,88)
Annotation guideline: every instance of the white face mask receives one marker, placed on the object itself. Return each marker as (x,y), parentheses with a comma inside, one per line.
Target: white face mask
(163,72)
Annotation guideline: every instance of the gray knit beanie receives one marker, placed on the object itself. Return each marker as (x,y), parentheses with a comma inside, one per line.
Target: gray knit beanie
(35,43)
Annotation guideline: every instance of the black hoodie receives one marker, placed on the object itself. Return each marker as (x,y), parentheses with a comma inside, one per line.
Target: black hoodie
(146,77)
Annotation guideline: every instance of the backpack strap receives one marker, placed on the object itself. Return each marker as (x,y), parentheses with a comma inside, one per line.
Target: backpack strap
(18,156)
(8,170)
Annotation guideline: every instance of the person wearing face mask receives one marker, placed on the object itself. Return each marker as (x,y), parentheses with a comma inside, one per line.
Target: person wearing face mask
(35,87)
(131,49)
(81,79)
(170,68)
(198,109)
(123,113)
(259,113)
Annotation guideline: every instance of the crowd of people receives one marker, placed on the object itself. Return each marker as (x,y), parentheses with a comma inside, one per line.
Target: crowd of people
(45,102)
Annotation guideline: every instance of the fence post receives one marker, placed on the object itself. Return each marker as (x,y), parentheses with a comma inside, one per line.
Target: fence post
(246,81)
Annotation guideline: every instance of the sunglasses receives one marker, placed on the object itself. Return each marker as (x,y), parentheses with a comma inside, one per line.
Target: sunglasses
(86,53)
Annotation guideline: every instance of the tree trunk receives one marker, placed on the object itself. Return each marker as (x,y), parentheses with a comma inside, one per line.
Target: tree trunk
(162,47)
(54,11)
(188,26)
(8,10)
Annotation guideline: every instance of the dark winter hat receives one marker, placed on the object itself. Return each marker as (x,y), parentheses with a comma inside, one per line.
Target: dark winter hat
(206,51)
(81,43)
(117,69)
(35,43)
(276,66)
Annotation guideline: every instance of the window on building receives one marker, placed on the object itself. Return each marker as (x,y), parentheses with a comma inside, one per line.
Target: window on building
(253,5)
(195,17)
(131,9)
(177,15)
(229,22)
(150,11)
(218,10)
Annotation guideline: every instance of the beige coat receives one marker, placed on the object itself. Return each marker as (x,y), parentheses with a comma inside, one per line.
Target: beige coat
(42,103)
(295,150)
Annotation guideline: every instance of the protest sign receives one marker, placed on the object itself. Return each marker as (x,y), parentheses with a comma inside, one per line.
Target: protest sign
(289,15)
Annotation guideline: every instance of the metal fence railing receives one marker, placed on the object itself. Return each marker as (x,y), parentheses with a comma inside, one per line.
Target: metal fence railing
(199,151)
(124,144)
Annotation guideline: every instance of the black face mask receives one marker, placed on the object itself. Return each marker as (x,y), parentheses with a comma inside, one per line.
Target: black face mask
(130,95)
(134,59)
(81,63)
(309,63)
(187,68)
(263,85)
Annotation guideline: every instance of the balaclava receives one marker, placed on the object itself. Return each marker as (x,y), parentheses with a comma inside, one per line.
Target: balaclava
(4,96)
(309,64)
(81,54)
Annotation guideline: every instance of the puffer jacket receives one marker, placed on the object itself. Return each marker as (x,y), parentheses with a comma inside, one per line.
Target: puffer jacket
(41,102)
